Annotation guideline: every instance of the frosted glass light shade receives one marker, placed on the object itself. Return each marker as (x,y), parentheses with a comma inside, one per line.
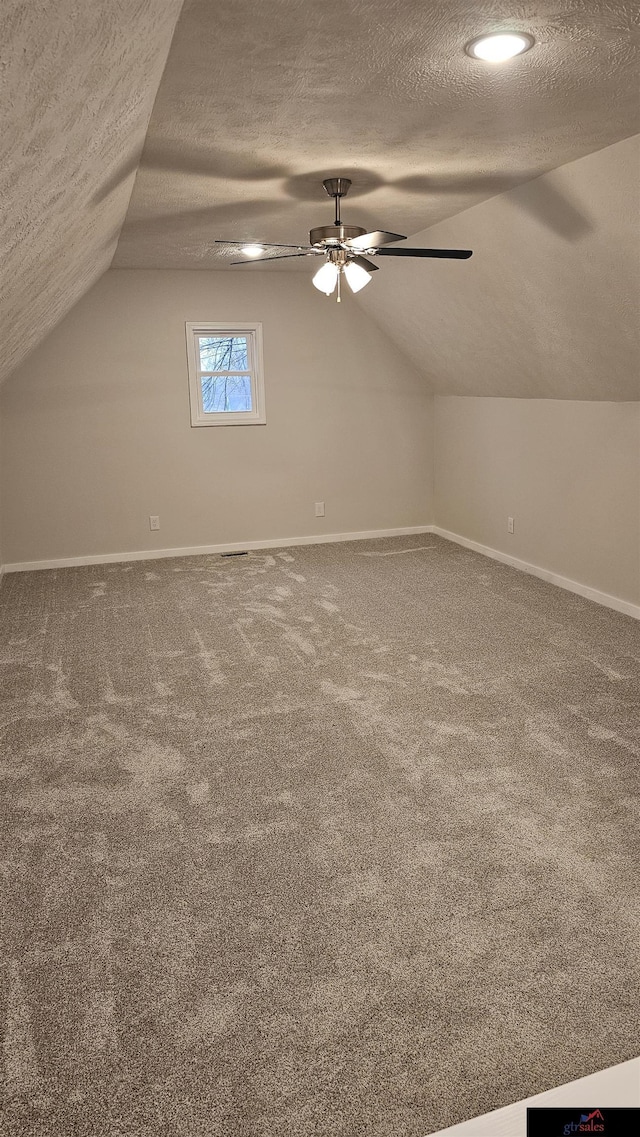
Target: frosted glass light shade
(326,278)
(357,276)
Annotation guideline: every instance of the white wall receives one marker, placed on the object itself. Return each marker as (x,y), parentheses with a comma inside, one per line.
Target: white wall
(543,317)
(96,431)
(567,472)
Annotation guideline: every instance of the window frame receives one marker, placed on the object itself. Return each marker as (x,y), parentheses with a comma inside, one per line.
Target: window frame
(253,334)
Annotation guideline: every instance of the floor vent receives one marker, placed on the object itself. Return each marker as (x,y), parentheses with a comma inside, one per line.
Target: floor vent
(245,554)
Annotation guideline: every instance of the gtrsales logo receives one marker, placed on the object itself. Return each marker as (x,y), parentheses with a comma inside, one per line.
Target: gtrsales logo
(589,1123)
(567,1122)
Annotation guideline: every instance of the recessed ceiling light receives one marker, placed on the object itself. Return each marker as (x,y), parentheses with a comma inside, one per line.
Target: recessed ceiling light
(499,47)
(252,250)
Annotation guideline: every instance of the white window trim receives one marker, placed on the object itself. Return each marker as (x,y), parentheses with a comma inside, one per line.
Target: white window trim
(199,417)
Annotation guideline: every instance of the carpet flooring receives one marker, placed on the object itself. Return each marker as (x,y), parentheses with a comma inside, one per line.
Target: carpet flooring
(336,841)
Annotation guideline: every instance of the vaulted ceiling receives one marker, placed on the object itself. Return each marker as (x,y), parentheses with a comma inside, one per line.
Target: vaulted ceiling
(261,99)
(548,306)
(78,82)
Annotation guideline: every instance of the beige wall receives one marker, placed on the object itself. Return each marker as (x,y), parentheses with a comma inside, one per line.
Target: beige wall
(95,436)
(547,307)
(567,472)
(96,430)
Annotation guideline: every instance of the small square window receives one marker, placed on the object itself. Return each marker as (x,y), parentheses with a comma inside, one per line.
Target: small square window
(226,384)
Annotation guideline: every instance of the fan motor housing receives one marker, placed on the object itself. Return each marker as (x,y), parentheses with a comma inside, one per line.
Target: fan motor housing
(334,234)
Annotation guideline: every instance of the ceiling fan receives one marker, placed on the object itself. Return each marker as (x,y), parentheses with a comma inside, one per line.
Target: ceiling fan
(342,248)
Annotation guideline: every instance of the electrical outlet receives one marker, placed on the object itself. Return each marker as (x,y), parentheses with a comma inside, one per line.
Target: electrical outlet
(154,522)
(510,524)
(319,509)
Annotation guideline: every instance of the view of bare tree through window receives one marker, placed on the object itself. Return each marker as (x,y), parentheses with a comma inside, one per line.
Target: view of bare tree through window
(225,374)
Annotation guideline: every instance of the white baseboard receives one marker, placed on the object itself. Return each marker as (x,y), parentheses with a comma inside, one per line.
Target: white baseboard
(200,550)
(604,598)
(624,606)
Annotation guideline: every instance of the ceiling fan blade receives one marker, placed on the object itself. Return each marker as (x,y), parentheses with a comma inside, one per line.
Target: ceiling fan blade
(261,260)
(373,240)
(364,263)
(263,244)
(455,254)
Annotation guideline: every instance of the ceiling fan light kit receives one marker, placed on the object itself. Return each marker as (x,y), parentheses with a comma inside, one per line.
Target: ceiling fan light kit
(342,248)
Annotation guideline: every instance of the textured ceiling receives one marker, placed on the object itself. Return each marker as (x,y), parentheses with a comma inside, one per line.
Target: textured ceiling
(261,99)
(78,79)
(549,304)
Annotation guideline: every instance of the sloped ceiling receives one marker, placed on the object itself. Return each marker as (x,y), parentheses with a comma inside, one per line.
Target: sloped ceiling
(549,304)
(261,99)
(78,82)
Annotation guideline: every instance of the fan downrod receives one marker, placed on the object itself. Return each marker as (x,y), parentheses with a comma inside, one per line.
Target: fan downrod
(337,188)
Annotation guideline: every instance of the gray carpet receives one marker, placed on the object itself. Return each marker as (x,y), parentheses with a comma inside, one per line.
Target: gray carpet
(331,841)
